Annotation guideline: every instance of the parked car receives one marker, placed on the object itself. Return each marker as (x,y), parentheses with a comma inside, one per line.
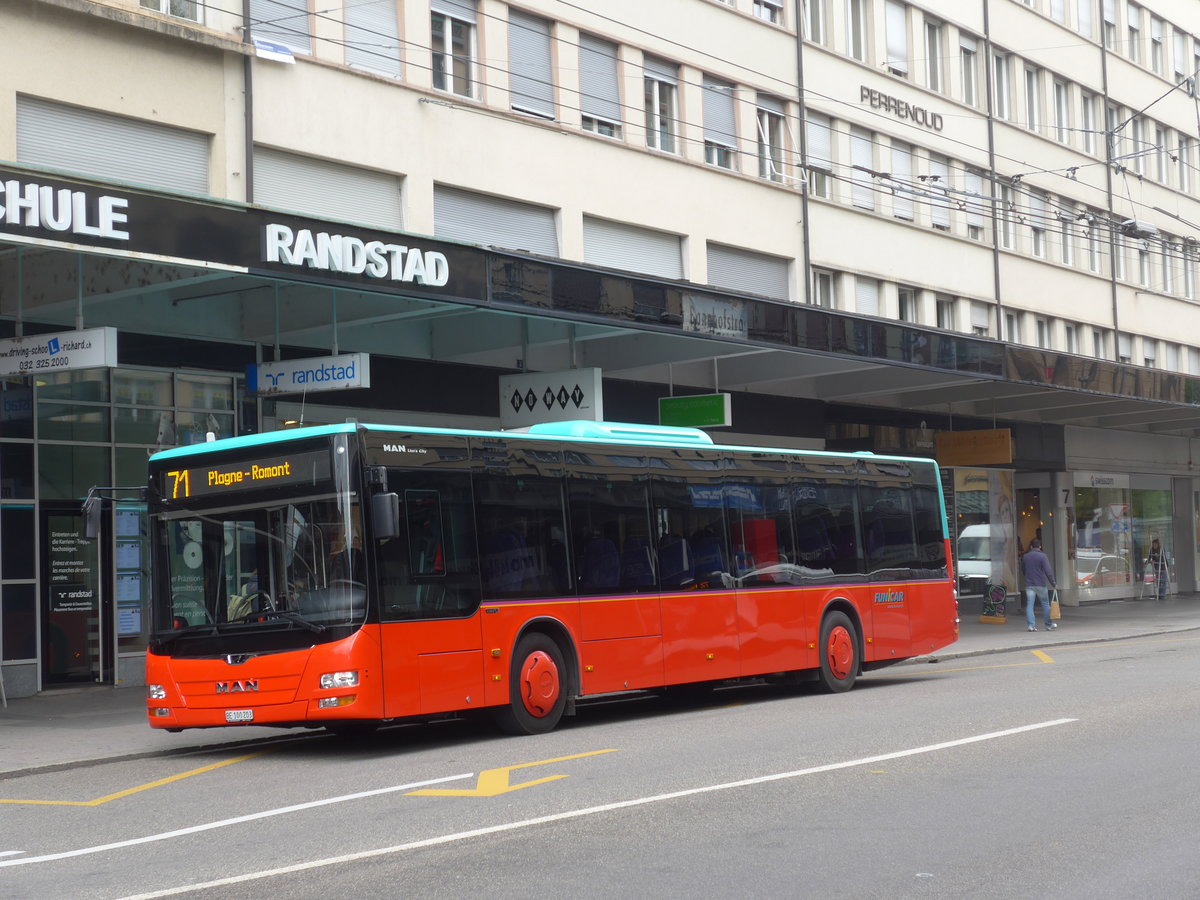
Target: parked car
(1104,570)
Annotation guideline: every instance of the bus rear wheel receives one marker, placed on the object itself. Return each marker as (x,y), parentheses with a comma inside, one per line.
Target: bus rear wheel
(839,652)
(537,689)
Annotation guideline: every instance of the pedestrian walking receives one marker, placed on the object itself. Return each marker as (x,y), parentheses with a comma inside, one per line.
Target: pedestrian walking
(1039,578)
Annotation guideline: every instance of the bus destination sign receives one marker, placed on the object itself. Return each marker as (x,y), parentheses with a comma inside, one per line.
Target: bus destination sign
(204,481)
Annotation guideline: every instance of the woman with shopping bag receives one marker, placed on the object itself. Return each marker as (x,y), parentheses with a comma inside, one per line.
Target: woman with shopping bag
(1039,579)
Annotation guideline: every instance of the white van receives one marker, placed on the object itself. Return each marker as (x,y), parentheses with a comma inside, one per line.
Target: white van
(974,559)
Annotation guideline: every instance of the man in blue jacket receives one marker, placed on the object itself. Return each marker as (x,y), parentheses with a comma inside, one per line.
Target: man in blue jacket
(1039,578)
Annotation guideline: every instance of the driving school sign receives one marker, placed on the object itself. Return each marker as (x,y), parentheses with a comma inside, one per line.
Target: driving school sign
(89,349)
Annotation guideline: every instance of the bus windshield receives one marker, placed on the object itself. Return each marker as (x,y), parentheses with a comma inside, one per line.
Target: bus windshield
(296,565)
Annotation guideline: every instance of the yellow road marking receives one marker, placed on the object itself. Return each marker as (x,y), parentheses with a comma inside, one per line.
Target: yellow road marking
(142,787)
(492,782)
(1042,656)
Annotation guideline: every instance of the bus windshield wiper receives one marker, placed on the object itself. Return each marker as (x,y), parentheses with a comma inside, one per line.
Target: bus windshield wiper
(287,614)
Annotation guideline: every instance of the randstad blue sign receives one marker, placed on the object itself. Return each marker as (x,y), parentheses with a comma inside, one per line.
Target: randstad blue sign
(298,376)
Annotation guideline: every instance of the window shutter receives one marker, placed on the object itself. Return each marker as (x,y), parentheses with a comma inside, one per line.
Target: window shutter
(661,70)
(979,315)
(743,270)
(897,37)
(628,247)
(459,9)
(493,221)
(372,39)
(1083,11)
(866,296)
(285,21)
(940,212)
(862,157)
(820,141)
(96,144)
(719,120)
(530,81)
(327,190)
(902,204)
(598,86)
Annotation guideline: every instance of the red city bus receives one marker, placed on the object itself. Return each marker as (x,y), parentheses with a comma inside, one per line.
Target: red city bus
(352,575)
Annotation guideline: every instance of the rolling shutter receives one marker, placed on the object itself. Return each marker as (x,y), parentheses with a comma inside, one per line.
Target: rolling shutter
(719,121)
(463,10)
(327,190)
(866,296)
(372,39)
(96,144)
(743,270)
(285,21)
(530,80)
(493,221)
(630,248)
(600,94)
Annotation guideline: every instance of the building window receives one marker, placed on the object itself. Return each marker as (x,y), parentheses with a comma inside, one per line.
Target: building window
(896,15)
(934,65)
(1144,273)
(1118,253)
(980,313)
(862,158)
(1070,337)
(1083,17)
(1087,108)
(181,9)
(819,138)
(968,58)
(814,20)
(720,128)
(1124,349)
(858,14)
(1149,352)
(1109,28)
(1033,99)
(660,84)
(1179,55)
(1062,111)
(1007,207)
(1099,341)
(902,200)
(1067,236)
(1168,267)
(1138,132)
(1163,154)
(1157,56)
(1012,328)
(599,90)
(1093,243)
(1058,10)
(1171,356)
(824,289)
(453,44)
(1037,225)
(1003,99)
(531,79)
(1183,156)
(1133,20)
(939,189)
(770,138)
(976,205)
(1189,270)
(945,313)
(907,305)
(769,10)
(1043,333)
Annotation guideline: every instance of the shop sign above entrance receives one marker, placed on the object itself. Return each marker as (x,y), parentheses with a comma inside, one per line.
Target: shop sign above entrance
(573,394)
(322,373)
(696,410)
(89,349)
(991,447)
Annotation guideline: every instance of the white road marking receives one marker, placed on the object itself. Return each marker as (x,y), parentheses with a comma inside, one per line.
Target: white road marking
(589,811)
(11,852)
(237,820)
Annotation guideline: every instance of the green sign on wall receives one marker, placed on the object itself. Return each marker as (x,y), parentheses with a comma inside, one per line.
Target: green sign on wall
(696,411)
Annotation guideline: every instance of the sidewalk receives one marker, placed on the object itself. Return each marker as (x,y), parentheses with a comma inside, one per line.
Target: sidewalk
(64,728)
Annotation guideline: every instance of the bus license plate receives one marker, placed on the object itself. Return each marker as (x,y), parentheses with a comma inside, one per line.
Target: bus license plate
(239,715)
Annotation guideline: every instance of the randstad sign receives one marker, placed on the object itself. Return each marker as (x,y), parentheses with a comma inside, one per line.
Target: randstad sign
(298,376)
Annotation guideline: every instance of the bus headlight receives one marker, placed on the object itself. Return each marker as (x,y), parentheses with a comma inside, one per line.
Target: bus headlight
(339,680)
(155,692)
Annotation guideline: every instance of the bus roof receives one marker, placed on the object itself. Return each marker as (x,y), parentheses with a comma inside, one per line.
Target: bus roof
(583,431)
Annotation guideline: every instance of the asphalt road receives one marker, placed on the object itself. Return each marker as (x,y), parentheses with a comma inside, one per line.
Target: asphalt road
(1060,773)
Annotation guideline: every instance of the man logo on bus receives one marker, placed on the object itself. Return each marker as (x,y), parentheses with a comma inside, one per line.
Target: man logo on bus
(237,687)
(889,597)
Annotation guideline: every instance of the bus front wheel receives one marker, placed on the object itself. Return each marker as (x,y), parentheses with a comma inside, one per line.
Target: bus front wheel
(839,652)
(537,689)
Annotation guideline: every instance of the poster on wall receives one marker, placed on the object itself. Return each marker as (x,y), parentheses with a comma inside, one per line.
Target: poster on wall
(1002,536)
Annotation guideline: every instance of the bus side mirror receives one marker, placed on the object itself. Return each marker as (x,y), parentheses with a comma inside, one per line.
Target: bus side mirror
(385,516)
(93,510)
